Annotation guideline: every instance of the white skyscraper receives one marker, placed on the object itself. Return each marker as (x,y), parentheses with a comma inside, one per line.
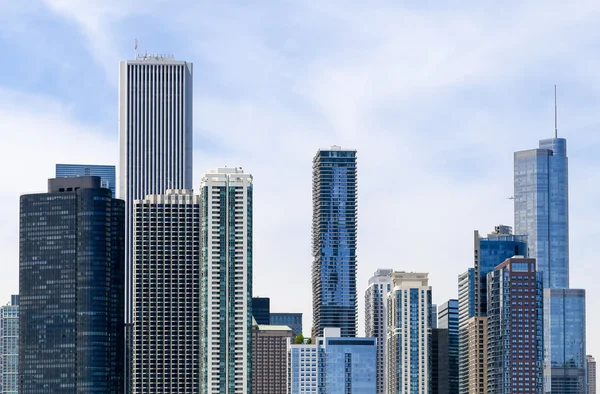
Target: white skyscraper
(227,281)
(166,331)
(375,320)
(408,333)
(155,137)
(9,346)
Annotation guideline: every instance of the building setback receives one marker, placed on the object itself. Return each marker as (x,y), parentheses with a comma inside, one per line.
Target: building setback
(9,345)
(292,320)
(71,277)
(107,174)
(334,241)
(166,331)
(269,358)
(226,300)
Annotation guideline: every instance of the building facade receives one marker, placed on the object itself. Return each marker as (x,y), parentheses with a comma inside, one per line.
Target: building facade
(261,310)
(565,353)
(476,355)
(440,361)
(448,319)
(375,320)
(408,333)
(166,331)
(334,241)
(155,137)
(71,287)
(226,288)
(591,374)
(466,310)
(333,365)
(107,174)
(9,346)
(269,358)
(515,328)
(292,320)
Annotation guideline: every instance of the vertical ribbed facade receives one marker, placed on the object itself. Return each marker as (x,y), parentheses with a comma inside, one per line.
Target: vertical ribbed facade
(155,136)
(9,346)
(334,241)
(375,320)
(226,301)
(166,331)
(409,333)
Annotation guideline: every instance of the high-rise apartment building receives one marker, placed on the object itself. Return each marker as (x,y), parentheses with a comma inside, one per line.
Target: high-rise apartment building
(334,241)
(226,300)
(166,329)
(591,374)
(261,310)
(434,316)
(269,358)
(292,320)
(440,362)
(71,279)
(9,346)
(448,319)
(333,365)
(155,137)
(408,333)
(466,310)
(107,174)
(476,355)
(515,328)
(375,320)
(564,325)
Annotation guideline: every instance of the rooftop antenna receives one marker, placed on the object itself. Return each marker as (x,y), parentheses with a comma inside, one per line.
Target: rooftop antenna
(135,47)
(555,118)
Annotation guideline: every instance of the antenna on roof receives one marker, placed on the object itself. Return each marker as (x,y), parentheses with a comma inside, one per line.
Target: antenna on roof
(135,47)
(555,118)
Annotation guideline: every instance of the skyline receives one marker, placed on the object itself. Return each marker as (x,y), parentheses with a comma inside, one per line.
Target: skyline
(485,111)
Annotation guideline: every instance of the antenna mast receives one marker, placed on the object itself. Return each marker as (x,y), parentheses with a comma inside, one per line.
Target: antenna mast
(135,42)
(555,118)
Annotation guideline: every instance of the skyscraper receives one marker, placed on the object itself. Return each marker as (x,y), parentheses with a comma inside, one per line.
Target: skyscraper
(334,241)
(292,320)
(9,346)
(226,300)
(440,361)
(261,310)
(591,374)
(106,173)
(269,358)
(408,333)
(476,356)
(375,320)
(155,137)
(466,310)
(71,279)
(166,331)
(448,319)
(515,328)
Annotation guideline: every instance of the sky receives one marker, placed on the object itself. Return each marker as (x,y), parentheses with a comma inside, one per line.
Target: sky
(435,98)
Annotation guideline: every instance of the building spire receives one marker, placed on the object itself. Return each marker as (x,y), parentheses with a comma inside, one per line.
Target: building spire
(555,118)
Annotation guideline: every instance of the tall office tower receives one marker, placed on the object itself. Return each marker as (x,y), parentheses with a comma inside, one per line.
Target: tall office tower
(489,252)
(9,346)
(408,333)
(515,328)
(292,320)
(591,374)
(448,318)
(261,310)
(333,365)
(375,319)
(564,324)
(106,173)
(226,300)
(476,355)
(334,241)
(434,316)
(155,137)
(269,358)
(466,310)
(166,298)
(71,279)
(440,361)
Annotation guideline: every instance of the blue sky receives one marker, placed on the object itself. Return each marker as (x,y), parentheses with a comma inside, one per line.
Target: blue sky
(435,98)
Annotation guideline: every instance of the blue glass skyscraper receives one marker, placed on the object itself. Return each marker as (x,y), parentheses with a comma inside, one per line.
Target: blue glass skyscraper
(448,319)
(334,241)
(106,173)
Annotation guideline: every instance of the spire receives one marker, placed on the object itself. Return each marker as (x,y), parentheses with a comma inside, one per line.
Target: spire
(555,118)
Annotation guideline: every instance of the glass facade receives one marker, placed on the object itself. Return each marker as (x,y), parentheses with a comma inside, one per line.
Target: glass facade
(466,310)
(9,343)
(71,285)
(542,208)
(261,310)
(107,175)
(292,320)
(448,319)
(564,325)
(334,241)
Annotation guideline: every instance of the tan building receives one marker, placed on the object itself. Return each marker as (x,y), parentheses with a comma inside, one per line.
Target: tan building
(477,355)
(269,358)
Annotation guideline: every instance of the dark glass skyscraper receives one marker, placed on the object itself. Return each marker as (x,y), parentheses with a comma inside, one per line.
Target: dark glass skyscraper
(334,241)
(71,286)
(448,319)
(107,175)
(292,320)
(261,310)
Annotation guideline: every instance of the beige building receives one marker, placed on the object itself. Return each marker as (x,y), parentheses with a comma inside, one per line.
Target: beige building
(269,358)
(476,332)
